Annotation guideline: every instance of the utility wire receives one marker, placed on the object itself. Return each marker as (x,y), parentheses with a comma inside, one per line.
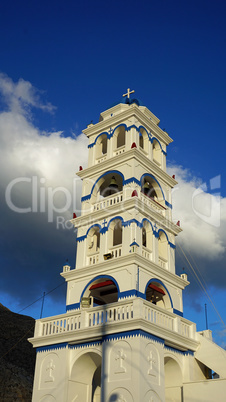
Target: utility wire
(202,286)
(46,294)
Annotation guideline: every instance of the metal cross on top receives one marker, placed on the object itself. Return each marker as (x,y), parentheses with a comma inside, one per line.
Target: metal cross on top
(128,93)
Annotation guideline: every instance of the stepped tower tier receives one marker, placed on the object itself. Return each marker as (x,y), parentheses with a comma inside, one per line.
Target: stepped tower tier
(125,234)
(124,337)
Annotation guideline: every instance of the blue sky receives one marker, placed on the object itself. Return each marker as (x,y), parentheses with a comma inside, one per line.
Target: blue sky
(64,63)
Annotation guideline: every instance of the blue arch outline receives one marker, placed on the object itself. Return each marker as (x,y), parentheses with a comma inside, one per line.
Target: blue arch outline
(153,177)
(99,277)
(99,135)
(95,224)
(104,174)
(162,230)
(146,219)
(113,219)
(161,283)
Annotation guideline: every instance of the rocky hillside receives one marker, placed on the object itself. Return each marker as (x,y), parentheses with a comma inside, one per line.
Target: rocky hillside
(17,356)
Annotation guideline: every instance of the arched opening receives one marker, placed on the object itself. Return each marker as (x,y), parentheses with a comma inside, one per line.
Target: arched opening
(110,184)
(173,380)
(117,233)
(163,249)
(93,240)
(120,135)
(147,240)
(157,153)
(101,291)
(157,294)
(101,145)
(85,379)
(143,139)
(150,188)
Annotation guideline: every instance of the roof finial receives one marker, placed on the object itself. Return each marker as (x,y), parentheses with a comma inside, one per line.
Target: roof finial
(128,93)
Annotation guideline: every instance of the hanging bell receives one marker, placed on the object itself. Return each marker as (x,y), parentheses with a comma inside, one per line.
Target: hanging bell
(146,188)
(113,183)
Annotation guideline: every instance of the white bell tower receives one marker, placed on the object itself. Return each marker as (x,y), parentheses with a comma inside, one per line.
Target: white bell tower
(123,337)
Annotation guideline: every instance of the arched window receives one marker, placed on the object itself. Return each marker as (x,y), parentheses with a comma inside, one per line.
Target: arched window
(163,249)
(121,136)
(101,146)
(144,237)
(150,188)
(157,154)
(93,240)
(141,141)
(117,233)
(111,184)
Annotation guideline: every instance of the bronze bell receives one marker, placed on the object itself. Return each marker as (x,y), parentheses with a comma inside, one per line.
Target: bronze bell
(113,183)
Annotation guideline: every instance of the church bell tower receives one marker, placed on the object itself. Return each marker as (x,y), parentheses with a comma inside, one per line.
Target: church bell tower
(123,337)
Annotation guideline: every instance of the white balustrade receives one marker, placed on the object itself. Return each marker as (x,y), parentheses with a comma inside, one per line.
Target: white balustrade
(101,158)
(110,314)
(116,252)
(120,150)
(152,204)
(93,259)
(162,262)
(146,253)
(108,201)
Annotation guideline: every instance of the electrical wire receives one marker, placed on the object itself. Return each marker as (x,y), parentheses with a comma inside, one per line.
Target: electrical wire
(201,284)
(46,294)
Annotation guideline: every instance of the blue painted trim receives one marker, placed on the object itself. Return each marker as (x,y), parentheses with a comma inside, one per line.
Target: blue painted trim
(161,283)
(81,238)
(106,173)
(132,180)
(134,244)
(74,306)
(51,347)
(162,230)
(131,293)
(168,204)
(85,344)
(94,225)
(128,223)
(100,277)
(180,313)
(113,219)
(184,353)
(153,177)
(147,220)
(171,245)
(154,138)
(129,334)
(86,197)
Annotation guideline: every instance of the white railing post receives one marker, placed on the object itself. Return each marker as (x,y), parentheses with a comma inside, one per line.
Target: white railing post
(84,319)
(137,308)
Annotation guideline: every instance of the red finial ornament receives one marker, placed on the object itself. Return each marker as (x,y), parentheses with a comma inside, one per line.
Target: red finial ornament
(80,168)
(74,215)
(134,193)
(178,223)
(133,145)
(173,176)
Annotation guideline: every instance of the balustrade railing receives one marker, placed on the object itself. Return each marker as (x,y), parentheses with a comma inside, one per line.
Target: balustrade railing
(152,204)
(120,150)
(108,201)
(146,253)
(162,262)
(101,158)
(110,314)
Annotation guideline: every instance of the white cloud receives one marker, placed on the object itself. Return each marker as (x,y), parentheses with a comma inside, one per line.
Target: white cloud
(202,214)
(21,95)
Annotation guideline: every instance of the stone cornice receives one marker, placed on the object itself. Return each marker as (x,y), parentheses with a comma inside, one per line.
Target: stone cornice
(126,205)
(112,265)
(116,119)
(112,163)
(90,334)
